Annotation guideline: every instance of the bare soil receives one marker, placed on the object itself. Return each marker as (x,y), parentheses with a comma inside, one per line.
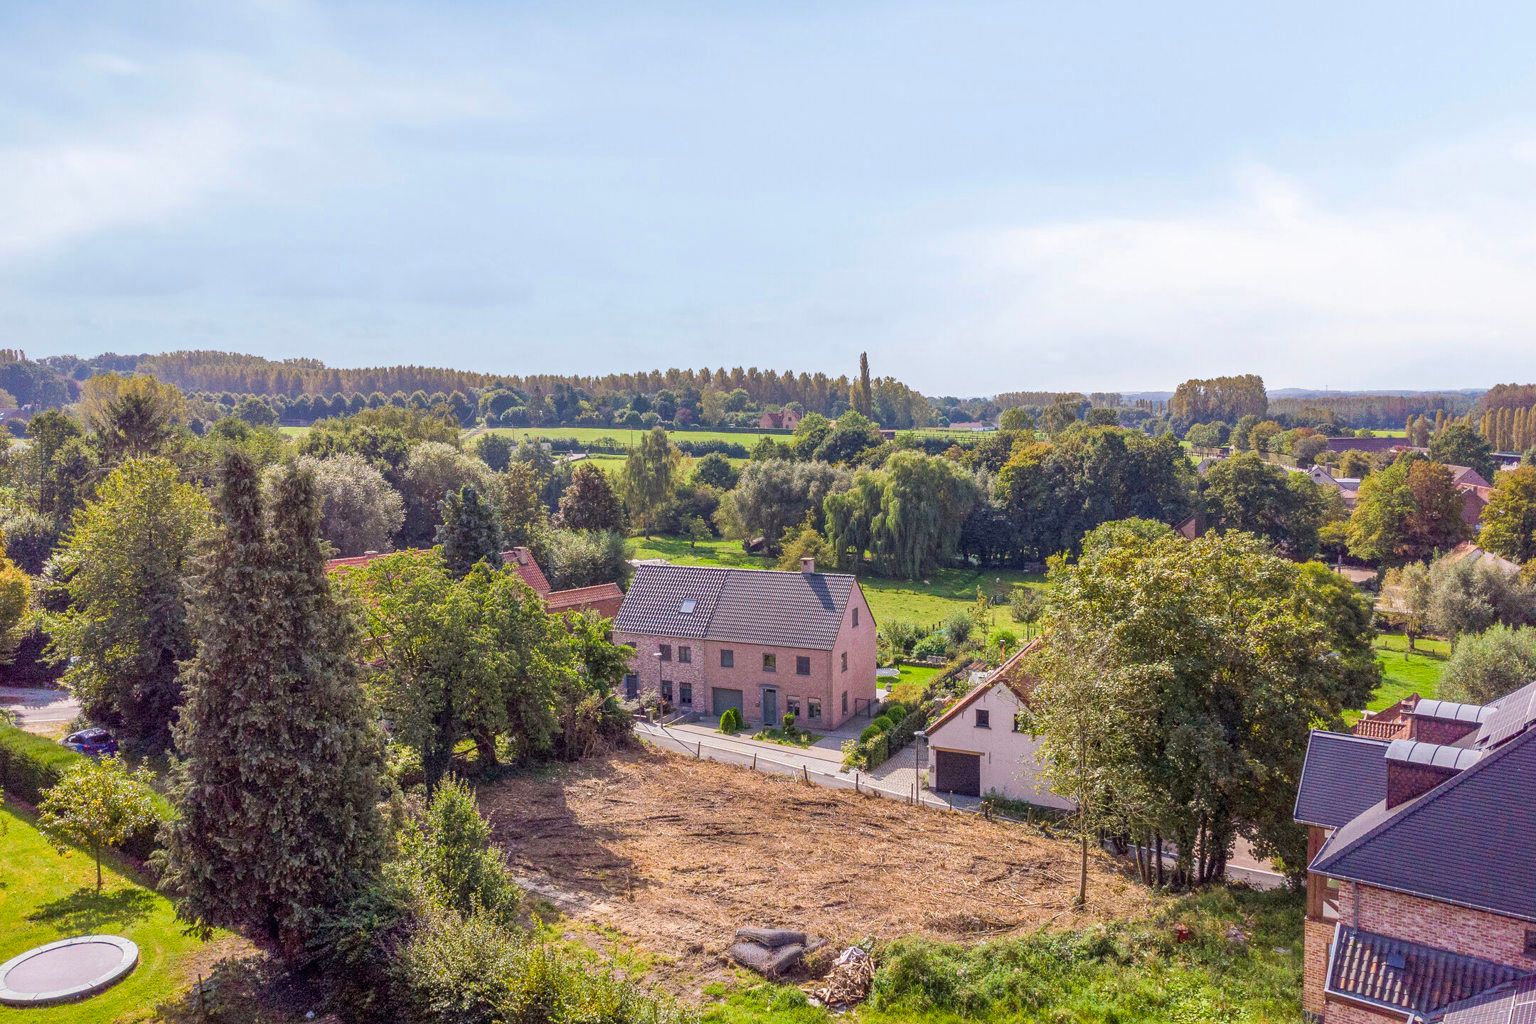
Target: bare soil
(675,854)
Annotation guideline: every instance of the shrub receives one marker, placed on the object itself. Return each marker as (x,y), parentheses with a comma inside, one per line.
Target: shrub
(934,645)
(901,636)
(448,854)
(894,710)
(731,721)
(869,733)
(30,764)
(789,723)
(883,722)
(959,628)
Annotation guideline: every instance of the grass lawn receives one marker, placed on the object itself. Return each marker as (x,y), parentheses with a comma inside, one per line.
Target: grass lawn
(1404,673)
(925,602)
(914,678)
(799,738)
(45,897)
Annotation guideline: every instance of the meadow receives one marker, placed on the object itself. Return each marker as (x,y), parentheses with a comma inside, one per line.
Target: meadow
(626,436)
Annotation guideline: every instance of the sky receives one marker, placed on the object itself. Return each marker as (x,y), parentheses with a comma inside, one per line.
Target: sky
(985,197)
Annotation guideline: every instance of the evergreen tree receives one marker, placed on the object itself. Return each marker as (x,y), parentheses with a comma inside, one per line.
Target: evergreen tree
(862,399)
(589,503)
(469,533)
(280,772)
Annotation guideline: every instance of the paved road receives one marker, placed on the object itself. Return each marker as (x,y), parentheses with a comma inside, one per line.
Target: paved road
(40,708)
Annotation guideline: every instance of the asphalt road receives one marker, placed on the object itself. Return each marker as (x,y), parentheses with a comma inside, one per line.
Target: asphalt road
(40,708)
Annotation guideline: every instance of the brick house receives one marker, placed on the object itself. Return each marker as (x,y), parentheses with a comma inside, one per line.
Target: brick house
(1421,887)
(976,747)
(782,419)
(763,642)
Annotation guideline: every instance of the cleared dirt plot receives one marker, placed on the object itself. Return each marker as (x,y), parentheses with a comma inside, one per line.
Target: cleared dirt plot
(677,853)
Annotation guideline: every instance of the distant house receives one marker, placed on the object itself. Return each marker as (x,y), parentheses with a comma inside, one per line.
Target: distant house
(976,747)
(1421,886)
(766,643)
(1468,551)
(1372,445)
(783,419)
(603,599)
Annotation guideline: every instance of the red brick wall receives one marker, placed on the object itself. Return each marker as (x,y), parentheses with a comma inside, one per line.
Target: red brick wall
(1314,969)
(1406,781)
(1348,1013)
(1470,932)
(1433,730)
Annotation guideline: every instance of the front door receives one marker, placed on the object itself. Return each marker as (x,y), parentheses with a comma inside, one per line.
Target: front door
(771,708)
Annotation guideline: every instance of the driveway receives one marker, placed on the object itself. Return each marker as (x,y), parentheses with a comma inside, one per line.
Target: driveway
(42,709)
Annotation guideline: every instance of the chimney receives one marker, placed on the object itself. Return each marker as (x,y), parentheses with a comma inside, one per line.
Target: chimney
(807,565)
(1444,721)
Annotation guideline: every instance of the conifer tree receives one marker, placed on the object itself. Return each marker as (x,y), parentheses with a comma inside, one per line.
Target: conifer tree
(470,532)
(280,765)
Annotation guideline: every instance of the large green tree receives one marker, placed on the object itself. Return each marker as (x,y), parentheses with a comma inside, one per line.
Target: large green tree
(1214,659)
(123,634)
(1406,513)
(905,516)
(469,534)
(1460,445)
(1509,520)
(1246,493)
(280,762)
(589,502)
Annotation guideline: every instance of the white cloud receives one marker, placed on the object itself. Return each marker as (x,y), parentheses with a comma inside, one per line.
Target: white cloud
(1373,290)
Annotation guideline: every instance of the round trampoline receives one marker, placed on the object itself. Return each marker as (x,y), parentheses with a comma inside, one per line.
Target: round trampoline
(65,970)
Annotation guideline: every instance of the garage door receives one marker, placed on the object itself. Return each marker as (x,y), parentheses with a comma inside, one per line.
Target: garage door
(726,699)
(957,773)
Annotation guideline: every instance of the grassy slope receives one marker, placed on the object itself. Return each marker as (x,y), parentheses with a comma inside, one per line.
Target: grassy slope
(925,602)
(1127,974)
(45,896)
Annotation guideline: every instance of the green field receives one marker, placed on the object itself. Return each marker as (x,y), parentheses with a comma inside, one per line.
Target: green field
(914,679)
(45,897)
(1404,673)
(925,602)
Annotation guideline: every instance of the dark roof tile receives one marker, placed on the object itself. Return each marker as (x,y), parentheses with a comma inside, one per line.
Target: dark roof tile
(1342,776)
(783,609)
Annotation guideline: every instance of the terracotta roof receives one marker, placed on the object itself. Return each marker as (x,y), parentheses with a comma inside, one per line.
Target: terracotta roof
(1407,977)
(1342,776)
(756,606)
(1470,551)
(527,567)
(604,598)
(1010,673)
(1466,476)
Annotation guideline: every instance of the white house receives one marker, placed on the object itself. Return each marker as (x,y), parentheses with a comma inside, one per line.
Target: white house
(976,747)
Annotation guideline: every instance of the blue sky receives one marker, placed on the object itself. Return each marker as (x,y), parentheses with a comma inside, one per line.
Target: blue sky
(984,196)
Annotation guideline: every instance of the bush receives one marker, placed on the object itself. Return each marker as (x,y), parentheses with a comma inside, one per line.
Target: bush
(959,629)
(869,733)
(901,636)
(30,765)
(934,645)
(731,721)
(894,710)
(789,723)
(1490,664)
(883,722)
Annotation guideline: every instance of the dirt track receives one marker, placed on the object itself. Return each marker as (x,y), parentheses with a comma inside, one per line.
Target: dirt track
(677,853)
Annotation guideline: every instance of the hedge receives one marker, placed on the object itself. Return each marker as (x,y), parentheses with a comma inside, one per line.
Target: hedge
(30,765)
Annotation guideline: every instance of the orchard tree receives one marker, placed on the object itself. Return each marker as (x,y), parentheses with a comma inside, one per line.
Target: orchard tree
(97,804)
(280,768)
(123,635)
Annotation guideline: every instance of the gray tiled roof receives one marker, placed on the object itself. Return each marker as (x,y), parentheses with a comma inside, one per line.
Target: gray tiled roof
(786,609)
(1407,976)
(1342,776)
(1469,841)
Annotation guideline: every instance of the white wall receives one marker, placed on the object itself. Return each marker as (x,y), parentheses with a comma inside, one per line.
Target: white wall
(1009,760)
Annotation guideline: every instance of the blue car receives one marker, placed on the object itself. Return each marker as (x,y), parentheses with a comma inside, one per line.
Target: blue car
(92,743)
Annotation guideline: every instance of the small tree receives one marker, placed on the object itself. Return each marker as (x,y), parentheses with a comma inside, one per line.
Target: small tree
(97,804)
(698,530)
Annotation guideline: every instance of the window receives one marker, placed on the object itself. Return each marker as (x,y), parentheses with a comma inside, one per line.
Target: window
(1530,942)
(802,665)
(666,652)
(983,719)
(666,690)
(686,608)
(685,693)
(770,663)
(631,686)
(845,661)
(845,702)
(727,659)
(813,709)
(685,655)
(792,705)
(855,618)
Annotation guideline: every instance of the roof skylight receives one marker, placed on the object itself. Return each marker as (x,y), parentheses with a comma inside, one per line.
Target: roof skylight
(686,606)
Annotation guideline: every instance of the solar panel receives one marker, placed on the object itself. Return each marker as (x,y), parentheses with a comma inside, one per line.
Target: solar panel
(1510,717)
